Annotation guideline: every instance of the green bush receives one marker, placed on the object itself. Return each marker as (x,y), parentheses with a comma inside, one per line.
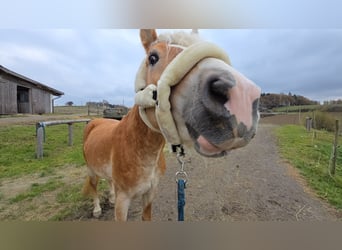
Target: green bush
(332,108)
(324,120)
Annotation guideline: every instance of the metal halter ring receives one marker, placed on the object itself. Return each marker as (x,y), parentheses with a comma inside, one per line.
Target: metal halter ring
(181,175)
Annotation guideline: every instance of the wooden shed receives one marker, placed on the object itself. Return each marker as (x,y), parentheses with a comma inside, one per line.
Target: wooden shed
(20,94)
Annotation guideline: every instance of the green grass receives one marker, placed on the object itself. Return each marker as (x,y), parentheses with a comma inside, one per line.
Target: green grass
(74,201)
(302,108)
(36,190)
(83,110)
(18,159)
(18,150)
(71,109)
(308,110)
(312,156)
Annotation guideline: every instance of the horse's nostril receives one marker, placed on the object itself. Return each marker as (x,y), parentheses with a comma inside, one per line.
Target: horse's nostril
(218,90)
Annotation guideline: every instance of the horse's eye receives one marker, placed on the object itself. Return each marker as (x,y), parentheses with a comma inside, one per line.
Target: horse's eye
(153,59)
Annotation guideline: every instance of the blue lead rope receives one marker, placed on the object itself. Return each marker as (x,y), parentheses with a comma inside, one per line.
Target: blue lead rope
(181,198)
(181,179)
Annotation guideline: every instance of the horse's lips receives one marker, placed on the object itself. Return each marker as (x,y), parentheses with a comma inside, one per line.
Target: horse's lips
(207,148)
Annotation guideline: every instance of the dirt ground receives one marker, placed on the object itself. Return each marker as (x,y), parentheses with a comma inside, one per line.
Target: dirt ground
(250,184)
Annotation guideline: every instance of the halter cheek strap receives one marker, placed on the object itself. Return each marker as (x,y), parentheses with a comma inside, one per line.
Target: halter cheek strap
(171,76)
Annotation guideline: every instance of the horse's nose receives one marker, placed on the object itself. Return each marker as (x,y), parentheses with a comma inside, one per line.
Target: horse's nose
(230,91)
(243,100)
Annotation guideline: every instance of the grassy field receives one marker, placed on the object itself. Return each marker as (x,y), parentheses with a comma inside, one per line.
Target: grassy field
(57,178)
(306,108)
(18,145)
(48,188)
(312,156)
(302,108)
(81,110)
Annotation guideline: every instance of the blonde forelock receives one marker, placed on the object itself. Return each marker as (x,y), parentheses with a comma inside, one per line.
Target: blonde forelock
(180,38)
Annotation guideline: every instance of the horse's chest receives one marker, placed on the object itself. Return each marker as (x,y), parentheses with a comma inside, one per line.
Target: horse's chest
(149,178)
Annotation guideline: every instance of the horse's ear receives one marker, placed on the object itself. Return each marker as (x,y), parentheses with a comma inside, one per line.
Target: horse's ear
(147,37)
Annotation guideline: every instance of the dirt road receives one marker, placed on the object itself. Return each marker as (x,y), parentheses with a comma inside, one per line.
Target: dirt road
(249,184)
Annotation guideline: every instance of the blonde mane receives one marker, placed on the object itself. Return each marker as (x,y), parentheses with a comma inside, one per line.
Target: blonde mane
(180,38)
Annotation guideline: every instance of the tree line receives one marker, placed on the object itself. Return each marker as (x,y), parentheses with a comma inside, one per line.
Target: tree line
(101,104)
(271,100)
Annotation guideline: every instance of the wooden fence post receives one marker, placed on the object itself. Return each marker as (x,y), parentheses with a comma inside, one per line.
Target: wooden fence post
(333,165)
(40,132)
(40,140)
(308,123)
(70,141)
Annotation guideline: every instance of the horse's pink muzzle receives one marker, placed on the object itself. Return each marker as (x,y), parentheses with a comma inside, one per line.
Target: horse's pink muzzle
(223,114)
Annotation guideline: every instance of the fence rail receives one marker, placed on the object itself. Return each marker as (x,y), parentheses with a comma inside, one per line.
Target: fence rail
(40,132)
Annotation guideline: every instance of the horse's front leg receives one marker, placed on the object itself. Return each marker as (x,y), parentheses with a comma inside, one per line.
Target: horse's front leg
(122,202)
(147,199)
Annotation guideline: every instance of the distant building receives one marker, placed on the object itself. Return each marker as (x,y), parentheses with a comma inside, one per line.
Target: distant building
(20,94)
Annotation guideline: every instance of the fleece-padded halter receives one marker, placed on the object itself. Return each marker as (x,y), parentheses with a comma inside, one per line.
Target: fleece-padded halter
(171,76)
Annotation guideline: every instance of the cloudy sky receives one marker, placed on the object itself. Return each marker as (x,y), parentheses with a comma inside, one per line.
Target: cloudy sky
(100,64)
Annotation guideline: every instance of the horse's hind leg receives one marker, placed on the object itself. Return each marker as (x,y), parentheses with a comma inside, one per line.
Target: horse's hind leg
(90,188)
(111,192)
(97,208)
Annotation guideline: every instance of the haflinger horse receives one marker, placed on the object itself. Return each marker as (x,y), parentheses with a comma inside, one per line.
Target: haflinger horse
(187,93)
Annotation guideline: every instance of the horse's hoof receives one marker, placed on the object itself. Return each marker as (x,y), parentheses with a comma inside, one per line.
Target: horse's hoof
(97,213)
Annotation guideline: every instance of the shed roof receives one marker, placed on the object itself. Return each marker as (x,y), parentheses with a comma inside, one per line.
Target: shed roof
(36,84)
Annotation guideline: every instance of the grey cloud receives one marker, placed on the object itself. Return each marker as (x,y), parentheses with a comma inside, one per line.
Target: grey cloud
(307,62)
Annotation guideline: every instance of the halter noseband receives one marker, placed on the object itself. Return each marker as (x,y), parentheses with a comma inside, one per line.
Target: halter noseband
(171,76)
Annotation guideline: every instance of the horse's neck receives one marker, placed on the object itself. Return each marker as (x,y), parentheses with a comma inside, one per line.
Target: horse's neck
(145,138)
